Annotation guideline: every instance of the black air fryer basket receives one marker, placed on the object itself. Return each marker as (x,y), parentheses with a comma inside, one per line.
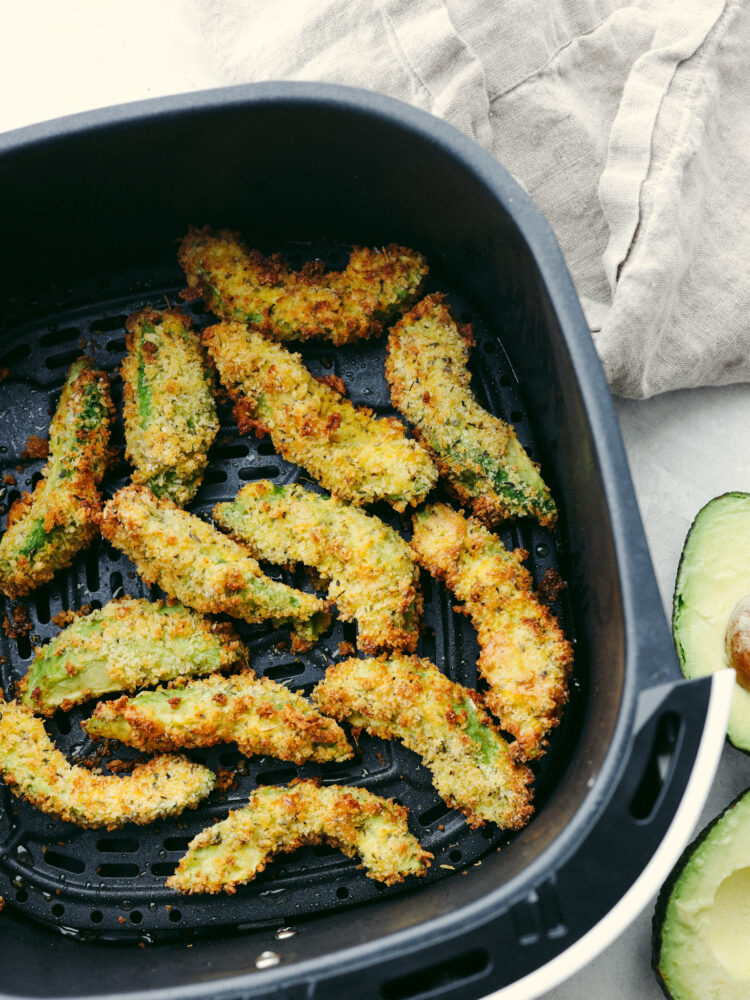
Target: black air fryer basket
(93,207)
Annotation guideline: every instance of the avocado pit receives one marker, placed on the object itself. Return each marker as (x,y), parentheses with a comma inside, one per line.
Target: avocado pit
(737,640)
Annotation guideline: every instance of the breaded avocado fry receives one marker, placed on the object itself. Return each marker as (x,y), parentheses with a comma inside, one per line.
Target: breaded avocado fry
(199,566)
(259,715)
(128,644)
(409,699)
(278,820)
(371,572)
(340,306)
(479,455)
(353,454)
(48,527)
(168,406)
(524,656)
(36,771)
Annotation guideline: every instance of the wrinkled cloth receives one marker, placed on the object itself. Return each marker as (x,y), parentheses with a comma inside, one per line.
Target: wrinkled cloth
(626,122)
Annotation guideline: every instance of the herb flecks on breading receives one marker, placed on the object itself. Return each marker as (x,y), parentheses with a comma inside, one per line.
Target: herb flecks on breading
(479,455)
(168,406)
(524,656)
(353,454)
(126,645)
(340,306)
(48,527)
(196,564)
(409,699)
(278,820)
(259,715)
(371,571)
(35,770)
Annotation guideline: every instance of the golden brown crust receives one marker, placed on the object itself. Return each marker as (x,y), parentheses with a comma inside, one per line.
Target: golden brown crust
(278,820)
(524,656)
(353,454)
(408,698)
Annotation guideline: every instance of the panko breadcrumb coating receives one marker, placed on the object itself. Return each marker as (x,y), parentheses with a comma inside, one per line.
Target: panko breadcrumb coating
(48,527)
(409,699)
(278,820)
(241,284)
(129,643)
(36,771)
(479,455)
(259,715)
(168,406)
(524,656)
(371,572)
(199,566)
(353,454)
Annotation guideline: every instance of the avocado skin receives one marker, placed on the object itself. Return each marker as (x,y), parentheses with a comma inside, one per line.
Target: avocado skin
(738,733)
(667,890)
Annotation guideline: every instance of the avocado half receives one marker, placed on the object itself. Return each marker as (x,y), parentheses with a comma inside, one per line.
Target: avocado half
(701,927)
(712,578)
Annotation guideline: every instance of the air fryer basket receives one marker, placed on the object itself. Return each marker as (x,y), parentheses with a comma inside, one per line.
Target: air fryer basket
(93,208)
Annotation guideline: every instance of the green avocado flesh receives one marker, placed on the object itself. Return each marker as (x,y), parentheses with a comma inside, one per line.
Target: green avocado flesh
(702,919)
(714,575)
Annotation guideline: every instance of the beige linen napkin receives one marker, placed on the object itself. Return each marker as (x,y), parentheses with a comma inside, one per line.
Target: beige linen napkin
(626,122)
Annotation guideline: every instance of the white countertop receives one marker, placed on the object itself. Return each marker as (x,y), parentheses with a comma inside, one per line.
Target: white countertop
(684,448)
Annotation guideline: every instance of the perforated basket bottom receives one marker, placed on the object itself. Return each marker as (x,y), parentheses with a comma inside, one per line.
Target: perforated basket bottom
(111,884)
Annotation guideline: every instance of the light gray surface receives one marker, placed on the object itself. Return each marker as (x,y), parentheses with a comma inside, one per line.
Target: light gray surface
(684,449)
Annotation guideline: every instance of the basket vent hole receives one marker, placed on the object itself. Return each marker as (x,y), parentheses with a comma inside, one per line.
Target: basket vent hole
(176,843)
(455,856)
(433,814)
(658,767)
(23,645)
(265,448)
(350,632)
(42,607)
(175,916)
(91,564)
(21,895)
(13,357)
(118,870)
(116,346)
(281,776)
(57,909)
(57,337)
(96,916)
(109,324)
(115,585)
(163,869)
(438,977)
(283,671)
(136,917)
(117,845)
(258,472)
(342,892)
(62,360)
(62,722)
(57,860)
(214,476)
(238,449)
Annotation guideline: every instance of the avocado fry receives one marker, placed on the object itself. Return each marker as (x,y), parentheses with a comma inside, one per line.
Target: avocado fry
(409,699)
(200,567)
(35,770)
(524,656)
(353,454)
(340,306)
(259,715)
(168,406)
(49,526)
(479,454)
(129,643)
(371,571)
(280,819)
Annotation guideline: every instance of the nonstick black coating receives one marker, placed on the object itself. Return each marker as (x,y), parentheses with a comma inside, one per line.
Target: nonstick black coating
(90,880)
(93,205)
